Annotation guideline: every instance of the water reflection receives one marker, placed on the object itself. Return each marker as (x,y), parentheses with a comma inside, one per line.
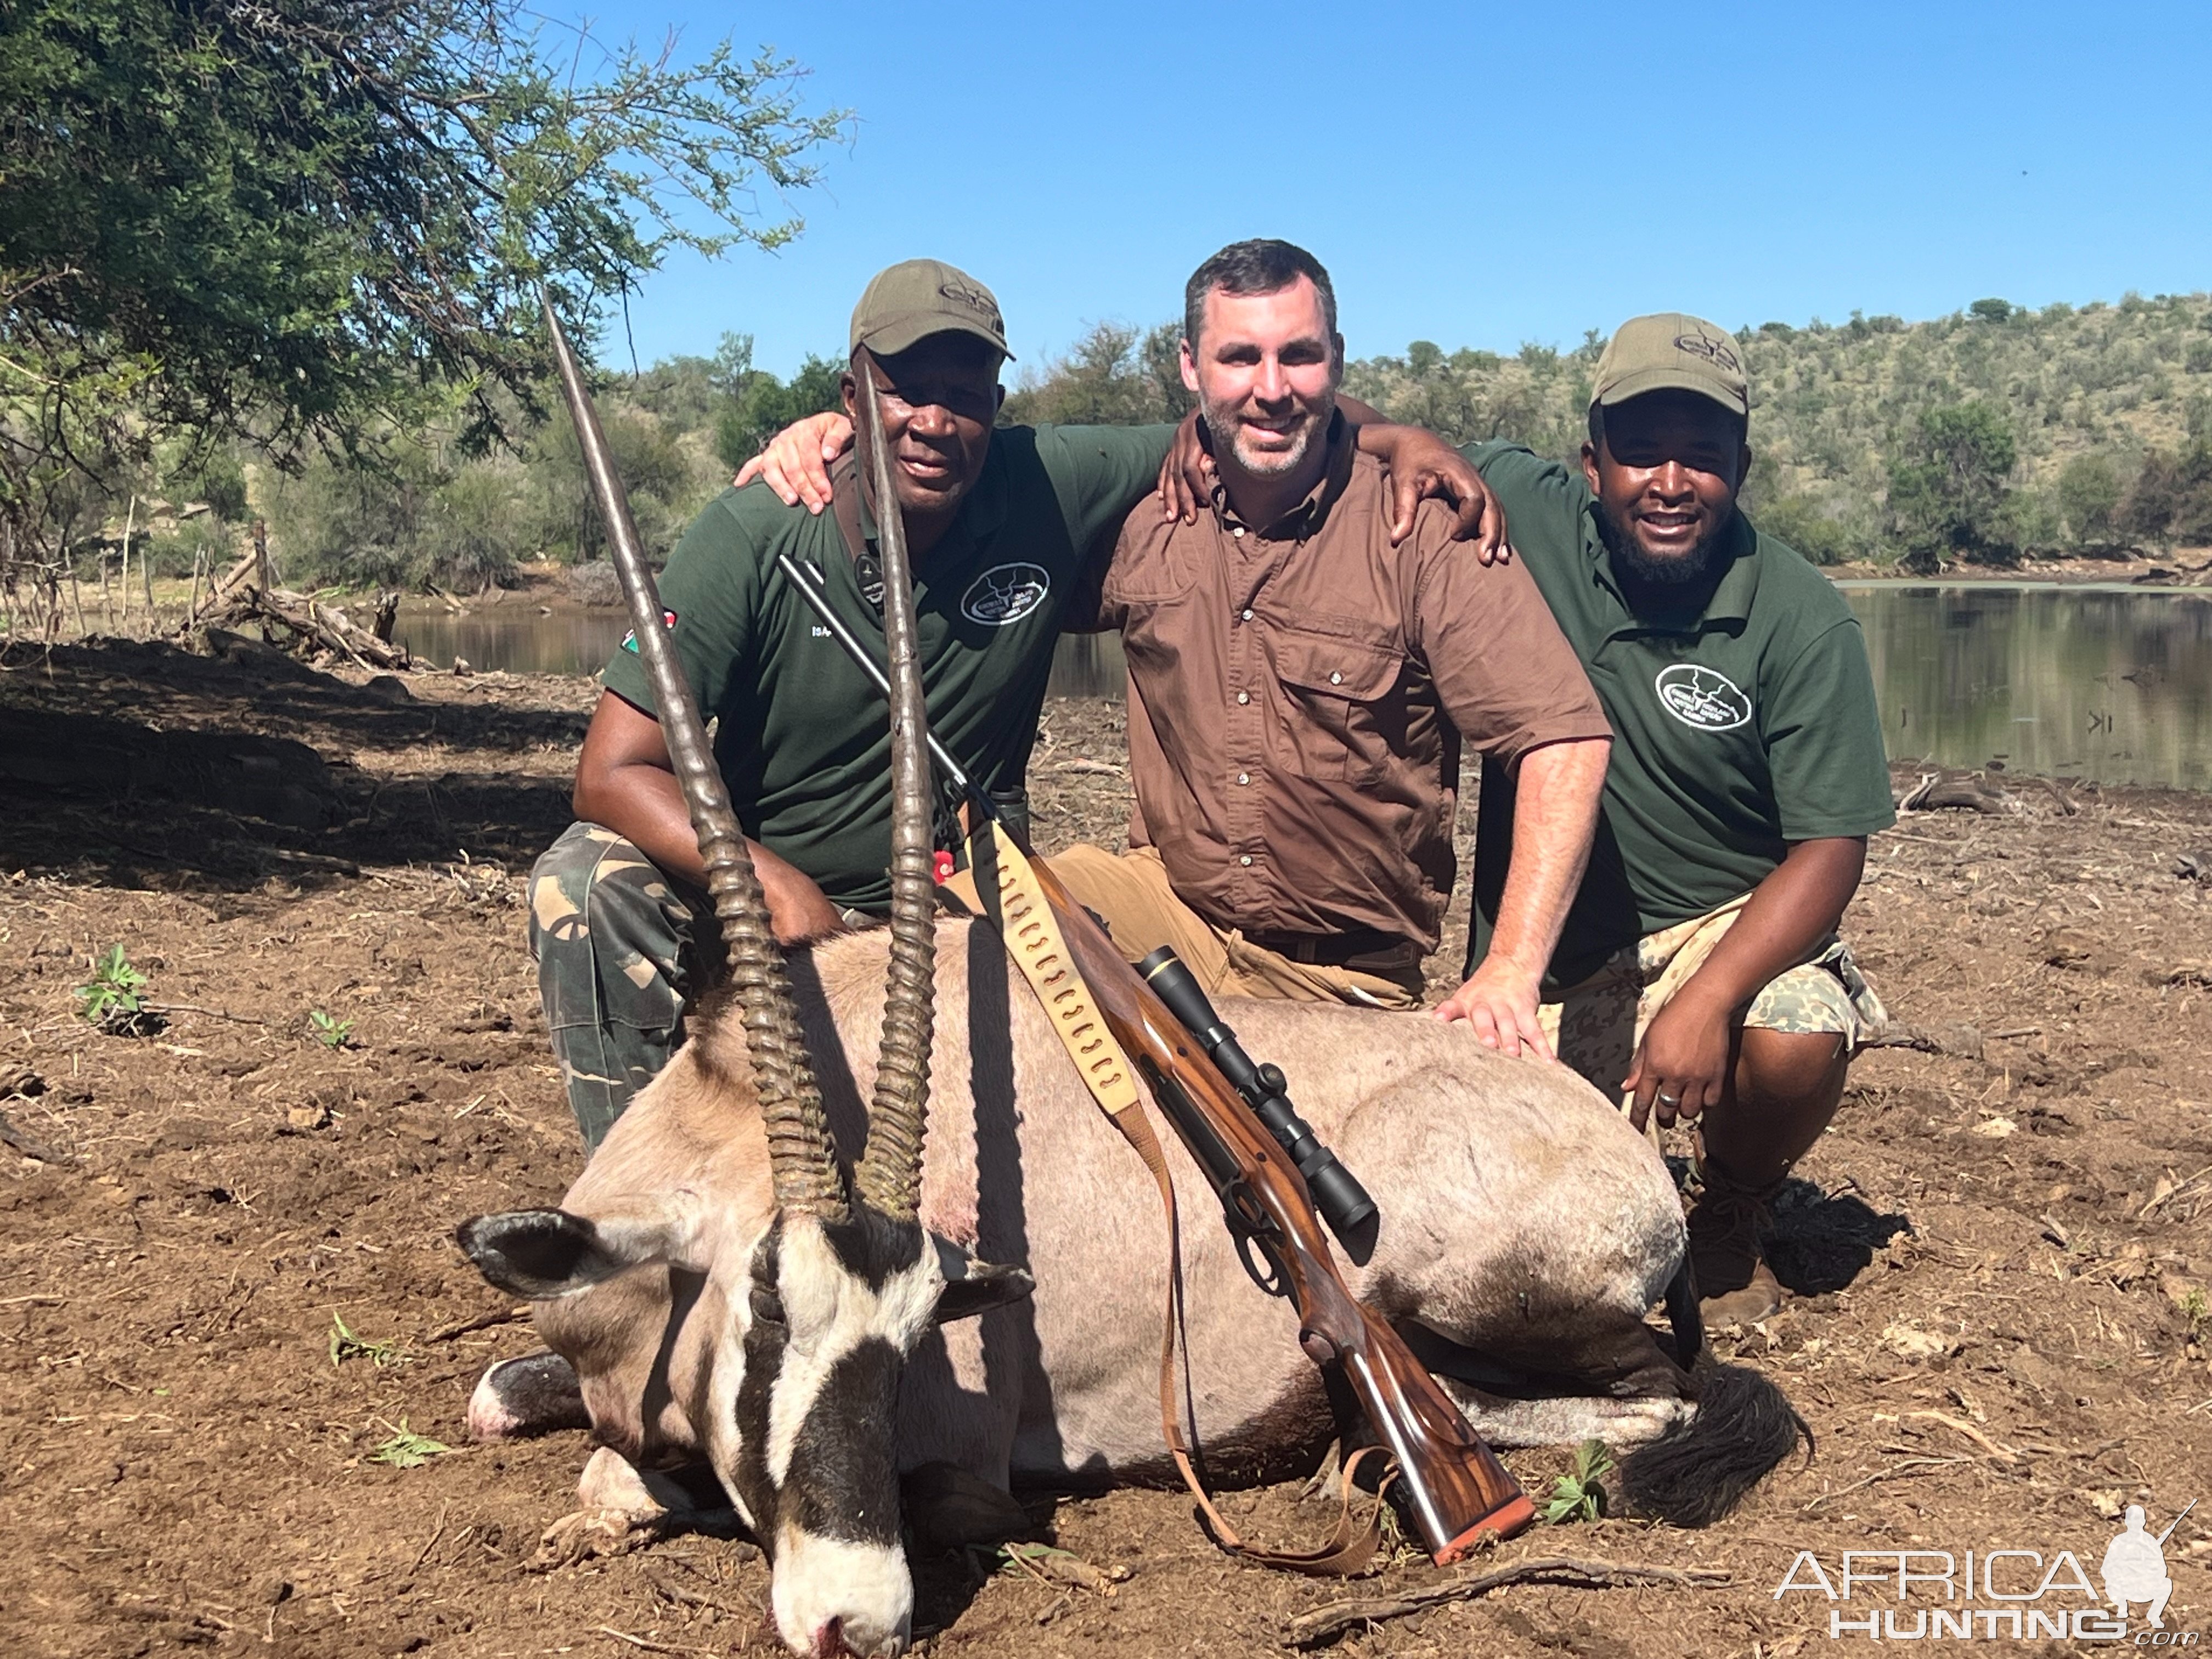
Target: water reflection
(2114,684)
(518,639)
(2098,683)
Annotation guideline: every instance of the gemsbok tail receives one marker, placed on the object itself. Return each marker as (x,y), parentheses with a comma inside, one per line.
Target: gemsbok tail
(1697,1472)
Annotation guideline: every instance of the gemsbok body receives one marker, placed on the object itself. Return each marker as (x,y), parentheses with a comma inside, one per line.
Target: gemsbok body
(1527,1230)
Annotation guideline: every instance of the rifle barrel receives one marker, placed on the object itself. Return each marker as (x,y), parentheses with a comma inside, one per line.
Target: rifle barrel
(2176,1522)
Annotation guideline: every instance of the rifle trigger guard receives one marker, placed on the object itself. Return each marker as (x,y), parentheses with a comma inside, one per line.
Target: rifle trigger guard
(1254,1232)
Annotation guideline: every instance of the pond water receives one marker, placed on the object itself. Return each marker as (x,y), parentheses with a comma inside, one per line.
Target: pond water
(2108,682)
(2113,683)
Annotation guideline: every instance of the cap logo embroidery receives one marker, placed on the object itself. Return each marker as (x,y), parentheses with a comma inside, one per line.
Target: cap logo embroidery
(1702,697)
(1005,593)
(974,299)
(1699,346)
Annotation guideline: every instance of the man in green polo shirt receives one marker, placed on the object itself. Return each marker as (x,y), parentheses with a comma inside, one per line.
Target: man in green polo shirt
(997,523)
(999,526)
(1699,971)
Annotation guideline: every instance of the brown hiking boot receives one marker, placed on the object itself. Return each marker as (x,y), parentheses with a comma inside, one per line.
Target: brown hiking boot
(1734,1285)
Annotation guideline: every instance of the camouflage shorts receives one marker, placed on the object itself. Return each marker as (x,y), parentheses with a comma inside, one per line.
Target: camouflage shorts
(615,942)
(1596,1025)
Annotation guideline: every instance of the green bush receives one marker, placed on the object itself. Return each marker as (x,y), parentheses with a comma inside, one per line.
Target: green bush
(1800,521)
(2088,492)
(1116,375)
(2170,502)
(1948,488)
(667,479)
(202,537)
(219,481)
(756,405)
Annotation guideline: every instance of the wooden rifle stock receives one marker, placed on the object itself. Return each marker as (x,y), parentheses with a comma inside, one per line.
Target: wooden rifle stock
(1453,1483)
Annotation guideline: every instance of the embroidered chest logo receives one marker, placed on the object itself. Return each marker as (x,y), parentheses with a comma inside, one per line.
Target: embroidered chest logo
(1005,593)
(1702,697)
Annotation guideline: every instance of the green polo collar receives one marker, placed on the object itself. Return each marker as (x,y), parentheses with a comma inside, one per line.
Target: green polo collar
(1730,600)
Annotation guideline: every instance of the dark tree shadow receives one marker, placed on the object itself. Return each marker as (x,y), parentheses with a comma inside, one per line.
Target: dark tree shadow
(141,765)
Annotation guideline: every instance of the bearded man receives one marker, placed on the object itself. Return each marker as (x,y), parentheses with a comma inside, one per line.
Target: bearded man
(1301,687)
(1699,972)
(1002,523)
(1307,659)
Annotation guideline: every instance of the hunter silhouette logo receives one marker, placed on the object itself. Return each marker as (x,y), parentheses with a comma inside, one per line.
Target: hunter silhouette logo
(1702,697)
(1005,593)
(2134,1568)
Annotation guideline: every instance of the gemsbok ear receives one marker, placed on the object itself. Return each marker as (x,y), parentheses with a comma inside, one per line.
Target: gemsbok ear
(541,1254)
(972,1287)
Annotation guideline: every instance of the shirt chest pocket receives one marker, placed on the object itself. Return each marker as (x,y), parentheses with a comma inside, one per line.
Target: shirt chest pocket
(1331,719)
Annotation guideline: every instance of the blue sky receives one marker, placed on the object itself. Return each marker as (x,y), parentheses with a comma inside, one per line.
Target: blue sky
(1470,174)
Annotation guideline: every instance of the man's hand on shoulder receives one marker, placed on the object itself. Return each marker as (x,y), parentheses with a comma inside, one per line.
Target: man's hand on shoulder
(795,463)
(1499,1005)
(1423,467)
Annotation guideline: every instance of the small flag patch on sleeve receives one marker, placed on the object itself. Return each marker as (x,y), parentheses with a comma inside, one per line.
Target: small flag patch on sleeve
(629,640)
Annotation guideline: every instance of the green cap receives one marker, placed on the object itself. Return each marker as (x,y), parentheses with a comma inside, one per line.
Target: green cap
(1672,350)
(907,302)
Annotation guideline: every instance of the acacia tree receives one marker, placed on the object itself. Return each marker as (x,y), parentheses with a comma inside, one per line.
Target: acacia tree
(1949,488)
(303,221)
(1114,375)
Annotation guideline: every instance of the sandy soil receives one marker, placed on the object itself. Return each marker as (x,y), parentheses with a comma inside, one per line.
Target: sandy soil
(2001,1254)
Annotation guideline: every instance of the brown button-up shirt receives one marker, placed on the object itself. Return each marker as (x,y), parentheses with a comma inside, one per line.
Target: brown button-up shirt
(1299,693)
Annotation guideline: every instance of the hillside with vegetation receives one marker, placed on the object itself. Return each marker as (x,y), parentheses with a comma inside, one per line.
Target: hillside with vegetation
(1995,435)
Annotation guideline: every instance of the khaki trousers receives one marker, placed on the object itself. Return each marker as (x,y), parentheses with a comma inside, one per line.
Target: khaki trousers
(1130,893)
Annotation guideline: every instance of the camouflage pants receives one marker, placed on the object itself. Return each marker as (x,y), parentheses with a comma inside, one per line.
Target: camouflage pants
(616,942)
(1596,1025)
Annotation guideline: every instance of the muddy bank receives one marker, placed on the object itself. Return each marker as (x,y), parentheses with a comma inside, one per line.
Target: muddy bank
(2000,1255)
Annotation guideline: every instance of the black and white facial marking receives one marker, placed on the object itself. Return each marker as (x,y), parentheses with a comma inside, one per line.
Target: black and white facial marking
(835,1311)
(833,1314)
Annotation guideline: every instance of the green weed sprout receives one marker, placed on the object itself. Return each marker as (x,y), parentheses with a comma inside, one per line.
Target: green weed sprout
(345,1346)
(407,1449)
(331,1033)
(1578,1496)
(110,997)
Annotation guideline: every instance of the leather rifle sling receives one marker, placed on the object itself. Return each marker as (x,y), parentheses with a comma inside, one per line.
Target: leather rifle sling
(1031,932)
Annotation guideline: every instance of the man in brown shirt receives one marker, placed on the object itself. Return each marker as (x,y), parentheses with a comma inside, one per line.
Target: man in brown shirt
(1300,690)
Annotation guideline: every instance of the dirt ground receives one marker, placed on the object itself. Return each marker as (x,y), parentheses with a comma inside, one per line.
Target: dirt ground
(2002,1255)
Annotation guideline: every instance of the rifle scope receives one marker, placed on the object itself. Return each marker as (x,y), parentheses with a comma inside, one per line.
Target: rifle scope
(1337,1193)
